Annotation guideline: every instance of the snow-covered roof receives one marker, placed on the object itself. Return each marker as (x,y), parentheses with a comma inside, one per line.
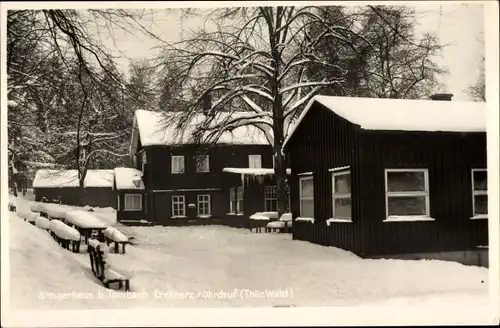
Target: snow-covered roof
(251,171)
(69,178)
(403,114)
(125,176)
(159,128)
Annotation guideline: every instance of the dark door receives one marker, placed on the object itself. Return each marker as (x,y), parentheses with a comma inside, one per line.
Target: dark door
(161,208)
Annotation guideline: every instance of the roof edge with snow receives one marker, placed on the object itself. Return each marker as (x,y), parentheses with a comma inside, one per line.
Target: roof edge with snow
(384,114)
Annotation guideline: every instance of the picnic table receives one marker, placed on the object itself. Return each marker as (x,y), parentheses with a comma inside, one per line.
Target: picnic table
(87,224)
(65,235)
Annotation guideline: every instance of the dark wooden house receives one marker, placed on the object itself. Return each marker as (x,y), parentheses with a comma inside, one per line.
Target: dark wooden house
(184,181)
(388,177)
(63,186)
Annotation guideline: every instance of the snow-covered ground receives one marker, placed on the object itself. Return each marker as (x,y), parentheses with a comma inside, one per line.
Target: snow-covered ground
(217,267)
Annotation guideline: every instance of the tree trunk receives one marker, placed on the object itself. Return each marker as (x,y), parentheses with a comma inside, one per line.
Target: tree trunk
(278,129)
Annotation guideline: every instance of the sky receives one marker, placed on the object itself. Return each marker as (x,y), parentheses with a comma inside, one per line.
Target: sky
(459,26)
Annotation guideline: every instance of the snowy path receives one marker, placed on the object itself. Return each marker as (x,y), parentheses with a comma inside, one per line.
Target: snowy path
(204,260)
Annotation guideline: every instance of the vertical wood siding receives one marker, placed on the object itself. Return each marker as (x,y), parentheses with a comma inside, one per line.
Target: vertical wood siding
(323,141)
(449,158)
(95,197)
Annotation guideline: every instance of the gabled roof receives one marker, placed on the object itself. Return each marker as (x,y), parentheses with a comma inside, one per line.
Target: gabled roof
(402,114)
(69,178)
(159,128)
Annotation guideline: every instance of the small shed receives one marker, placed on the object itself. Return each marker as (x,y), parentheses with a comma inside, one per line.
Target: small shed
(390,177)
(63,186)
(130,194)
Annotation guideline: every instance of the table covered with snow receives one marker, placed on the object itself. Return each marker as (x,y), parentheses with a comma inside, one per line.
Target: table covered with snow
(56,211)
(36,207)
(63,231)
(86,223)
(113,235)
(84,220)
(25,213)
(42,223)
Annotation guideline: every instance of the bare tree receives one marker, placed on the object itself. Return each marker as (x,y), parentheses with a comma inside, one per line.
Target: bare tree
(256,59)
(397,63)
(478,91)
(56,65)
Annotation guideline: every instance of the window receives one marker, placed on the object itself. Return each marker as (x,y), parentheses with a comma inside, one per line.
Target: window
(178,164)
(341,195)
(270,199)
(479,193)
(144,160)
(178,206)
(236,200)
(306,195)
(407,192)
(255,161)
(204,205)
(202,164)
(133,202)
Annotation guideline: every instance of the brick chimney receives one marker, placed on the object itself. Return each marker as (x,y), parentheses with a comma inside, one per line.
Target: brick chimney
(207,104)
(441,96)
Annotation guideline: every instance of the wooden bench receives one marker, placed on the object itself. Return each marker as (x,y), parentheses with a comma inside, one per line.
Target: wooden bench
(113,235)
(258,222)
(65,235)
(68,244)
(100,269)
(117,244)
(91,233)
(278,226)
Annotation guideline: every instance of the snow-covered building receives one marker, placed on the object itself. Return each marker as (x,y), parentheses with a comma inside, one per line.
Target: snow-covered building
(191,183)
(131,199)
(63,186)
(387,177)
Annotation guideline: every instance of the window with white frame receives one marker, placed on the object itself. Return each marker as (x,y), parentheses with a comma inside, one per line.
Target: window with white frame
(236,200)
(177,164)
(178,206)
(407,192)
(270,199)
(480,192)
(202,164)
(341,195)
(255,161)
(306,195)
(204,208)
(133,202)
